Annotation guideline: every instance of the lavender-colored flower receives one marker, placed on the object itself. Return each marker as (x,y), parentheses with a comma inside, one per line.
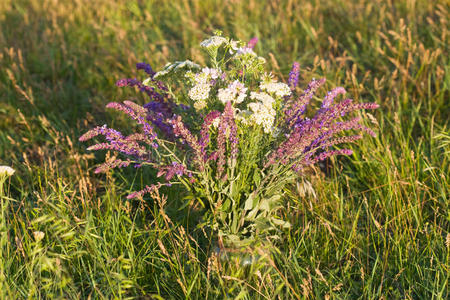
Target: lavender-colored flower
(295,110)
(149,189)
(228,118)
(341,140)
(227,131)
(204,133)
(180,130)
(115,163)
(213,156)
(131,149)
(325,155)
(158,113)
(122,82)
(137,116)
(328,100)
(293,75)
(221,148)
(140,137)
(116,141)
(149,90)
(305,137)
(141,111)
(110,134)
(152,93)
(252,43)
(128,82)
(172,170)
(146,67)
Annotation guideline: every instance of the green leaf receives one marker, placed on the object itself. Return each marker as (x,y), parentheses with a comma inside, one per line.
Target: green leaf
(284,224)
(257,178)
(268,204)
(249,202)
(226,205)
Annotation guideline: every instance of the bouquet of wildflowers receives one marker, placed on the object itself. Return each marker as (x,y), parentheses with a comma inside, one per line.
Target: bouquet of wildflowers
(231,134)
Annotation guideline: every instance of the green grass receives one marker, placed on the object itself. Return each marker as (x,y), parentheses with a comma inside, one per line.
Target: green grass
(376,225)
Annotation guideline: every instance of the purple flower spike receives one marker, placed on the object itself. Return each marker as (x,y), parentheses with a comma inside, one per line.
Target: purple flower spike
(293,75)
(139,118)
(158,113)
(180,130)
(172,170)
(149,90)
(116,163)
(128,82)
(328,100)
(204,133)
(252,43)
(227,131)
(297,108)
(122,82)
(221,147)
(146,67)
(228,117)
(325,155)
(148,189)
(110,134)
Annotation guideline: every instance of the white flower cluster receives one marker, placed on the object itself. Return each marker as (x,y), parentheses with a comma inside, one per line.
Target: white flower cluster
(262,111)
(249,59)
(264,98)
(175,67)
(201,104)
(243,116)
(278,88)
(206,75)
(6,171)
(235,92)
(234,46)
(245,51)
(200,91)
(213,42)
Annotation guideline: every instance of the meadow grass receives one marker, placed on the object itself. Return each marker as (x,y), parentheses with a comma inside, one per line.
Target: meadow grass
(372,226)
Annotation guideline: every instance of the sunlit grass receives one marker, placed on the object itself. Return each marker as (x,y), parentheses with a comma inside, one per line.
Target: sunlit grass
(375,225)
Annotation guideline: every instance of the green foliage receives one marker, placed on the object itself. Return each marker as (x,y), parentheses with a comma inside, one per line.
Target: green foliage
(376,226)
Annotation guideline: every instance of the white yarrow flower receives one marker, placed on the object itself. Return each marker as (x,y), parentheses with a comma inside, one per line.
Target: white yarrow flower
(245,51)
(212,73)
(262,115)
(278,88)
(200,104)
(240,98)
(200,92)
(261,60)
(6,171)
(234,46)
(243,116)
(201,78)
(235,92)
(38,235)
(207,75)
(213,42)
(265,99)
(225,95)
(176,67)
(187,64)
